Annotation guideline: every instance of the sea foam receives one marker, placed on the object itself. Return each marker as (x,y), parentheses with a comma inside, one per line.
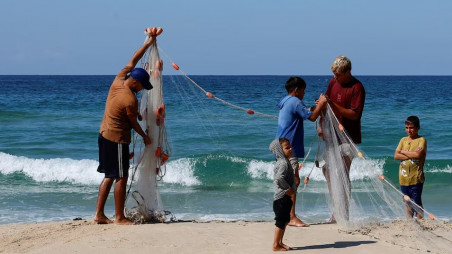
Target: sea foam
(447,169)
(84,171)
(360,169)
(52,170)
(181,171)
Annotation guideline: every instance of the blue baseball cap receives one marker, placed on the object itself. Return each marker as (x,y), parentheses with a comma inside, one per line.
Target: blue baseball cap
(141,75)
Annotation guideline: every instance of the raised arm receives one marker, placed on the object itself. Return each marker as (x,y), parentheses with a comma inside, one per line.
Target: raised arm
(140,52)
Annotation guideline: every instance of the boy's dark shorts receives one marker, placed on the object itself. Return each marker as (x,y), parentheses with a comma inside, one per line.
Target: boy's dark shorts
(113,158)
(282,207)
(414,192)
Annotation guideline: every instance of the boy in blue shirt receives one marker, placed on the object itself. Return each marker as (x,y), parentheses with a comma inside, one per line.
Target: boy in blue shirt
(290,125)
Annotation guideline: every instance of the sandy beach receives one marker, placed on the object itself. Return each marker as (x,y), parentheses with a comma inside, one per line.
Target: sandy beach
(84,236)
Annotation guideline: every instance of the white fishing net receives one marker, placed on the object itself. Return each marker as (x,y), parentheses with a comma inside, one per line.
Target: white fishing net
(145,202)
(368,203)
(364,199)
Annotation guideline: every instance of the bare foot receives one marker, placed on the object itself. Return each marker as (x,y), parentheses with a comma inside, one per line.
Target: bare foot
(124,222)
(332,220)
(295,222)
(102,219)
(285,246)
(278,248)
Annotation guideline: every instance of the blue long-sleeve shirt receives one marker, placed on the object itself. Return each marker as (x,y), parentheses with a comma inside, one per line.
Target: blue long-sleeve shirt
(290,123)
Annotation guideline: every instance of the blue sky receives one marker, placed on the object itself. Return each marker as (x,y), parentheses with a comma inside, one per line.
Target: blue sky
(260,37)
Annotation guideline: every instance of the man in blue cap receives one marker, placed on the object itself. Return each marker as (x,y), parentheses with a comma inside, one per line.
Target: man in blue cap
(120,117)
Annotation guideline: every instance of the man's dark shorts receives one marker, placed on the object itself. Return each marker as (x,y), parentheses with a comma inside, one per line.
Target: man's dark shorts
(113,158)
(282,207)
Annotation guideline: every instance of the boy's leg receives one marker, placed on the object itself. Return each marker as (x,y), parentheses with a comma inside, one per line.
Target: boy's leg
(408,211)
(294,220)
(277,241)
(120,198)
(281,207)
(416,193)
(281,243)
(104,190)
(406,191)
(419,216)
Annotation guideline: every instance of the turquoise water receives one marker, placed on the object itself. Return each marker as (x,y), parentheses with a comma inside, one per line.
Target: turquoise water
(220,168)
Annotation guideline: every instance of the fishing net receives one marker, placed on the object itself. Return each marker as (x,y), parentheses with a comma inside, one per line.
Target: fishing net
(146,204)
(366,198)
(356,195)
(368,203)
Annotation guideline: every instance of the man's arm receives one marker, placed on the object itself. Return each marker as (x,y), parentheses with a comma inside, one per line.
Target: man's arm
(139,53)
(356,104)
(137,128)
(347,113)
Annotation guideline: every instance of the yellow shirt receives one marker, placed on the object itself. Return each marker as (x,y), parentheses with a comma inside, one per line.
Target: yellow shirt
(411,171)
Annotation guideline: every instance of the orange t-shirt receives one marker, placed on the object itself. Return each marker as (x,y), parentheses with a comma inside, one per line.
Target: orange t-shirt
(121,104)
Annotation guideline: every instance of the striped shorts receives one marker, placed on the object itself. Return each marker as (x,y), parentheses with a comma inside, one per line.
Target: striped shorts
(113,158)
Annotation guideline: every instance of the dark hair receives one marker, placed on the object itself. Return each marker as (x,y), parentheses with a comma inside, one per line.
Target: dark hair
(282,140)
(295,82)
(414,120)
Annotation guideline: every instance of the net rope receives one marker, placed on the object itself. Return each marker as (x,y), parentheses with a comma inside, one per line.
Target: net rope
(212,96)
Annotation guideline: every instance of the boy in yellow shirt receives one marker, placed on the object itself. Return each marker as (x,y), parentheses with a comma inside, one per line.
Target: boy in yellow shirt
(411,152)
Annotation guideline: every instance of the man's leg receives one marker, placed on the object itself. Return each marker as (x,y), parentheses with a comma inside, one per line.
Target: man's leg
(120,199)
(326,173)
(348,163)
(104,190)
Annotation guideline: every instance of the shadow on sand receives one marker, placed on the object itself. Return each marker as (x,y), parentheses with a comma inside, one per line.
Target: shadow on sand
(335,245)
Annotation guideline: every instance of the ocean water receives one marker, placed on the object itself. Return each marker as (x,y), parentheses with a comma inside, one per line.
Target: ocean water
(220,167)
